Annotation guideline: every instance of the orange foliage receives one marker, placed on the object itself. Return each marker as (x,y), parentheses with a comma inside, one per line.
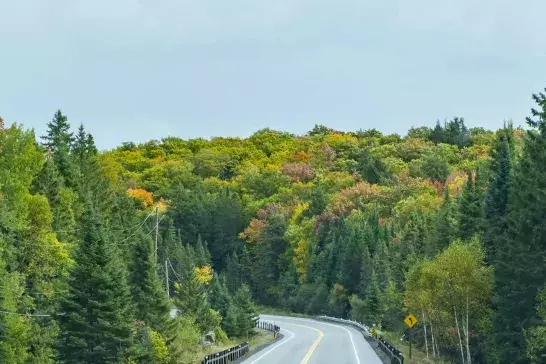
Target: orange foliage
(355,197)
(147,198)
(254,231)
(301,156)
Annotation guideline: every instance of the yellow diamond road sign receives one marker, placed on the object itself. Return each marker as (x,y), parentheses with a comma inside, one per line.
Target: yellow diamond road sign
(410,320)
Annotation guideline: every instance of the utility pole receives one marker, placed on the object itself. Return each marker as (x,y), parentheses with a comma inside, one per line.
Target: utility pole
(167,279)
(156,231)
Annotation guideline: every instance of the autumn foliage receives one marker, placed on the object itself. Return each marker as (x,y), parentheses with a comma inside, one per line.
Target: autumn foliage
(139,194)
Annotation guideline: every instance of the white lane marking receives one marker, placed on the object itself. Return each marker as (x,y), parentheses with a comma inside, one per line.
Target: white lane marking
(315,344)
(338,326)
(276,346)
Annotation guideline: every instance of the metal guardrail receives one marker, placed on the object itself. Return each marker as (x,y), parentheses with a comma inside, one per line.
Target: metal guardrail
(394,354)
(269,327)
(228,355)
(234,353)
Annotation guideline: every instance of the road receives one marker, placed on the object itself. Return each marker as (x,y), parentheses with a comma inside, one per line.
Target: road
(309,341)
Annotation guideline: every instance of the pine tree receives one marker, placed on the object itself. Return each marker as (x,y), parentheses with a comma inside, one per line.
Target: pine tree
(229,321)
(97,312)
(233,273)
(521,267)
(365,271)
(470,209)
(373,300)
(190,298)
(245,311)
(149,296)
(220,299)
(496,200)
(202,255)
(446,226)
(59,141)
(381,265)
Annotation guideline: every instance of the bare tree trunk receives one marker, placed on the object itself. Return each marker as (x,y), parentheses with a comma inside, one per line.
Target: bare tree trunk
(459,333)
(433,341)
(468,357)
(425,331)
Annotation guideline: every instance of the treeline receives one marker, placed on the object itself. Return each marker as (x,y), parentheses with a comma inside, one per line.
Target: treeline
(445,222)
(80,275)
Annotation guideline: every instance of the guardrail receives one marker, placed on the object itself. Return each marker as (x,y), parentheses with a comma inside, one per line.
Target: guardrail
(236,352)
(228,355)
(269,327)
(394,354)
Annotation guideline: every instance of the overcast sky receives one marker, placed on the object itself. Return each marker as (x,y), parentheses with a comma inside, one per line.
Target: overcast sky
(142,69)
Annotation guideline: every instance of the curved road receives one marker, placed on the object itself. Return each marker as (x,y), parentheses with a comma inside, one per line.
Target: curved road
(308,341)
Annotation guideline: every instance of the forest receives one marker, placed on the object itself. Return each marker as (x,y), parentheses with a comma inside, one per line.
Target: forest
(140,253)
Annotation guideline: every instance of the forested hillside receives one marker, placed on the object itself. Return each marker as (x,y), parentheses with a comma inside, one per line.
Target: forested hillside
(445,222)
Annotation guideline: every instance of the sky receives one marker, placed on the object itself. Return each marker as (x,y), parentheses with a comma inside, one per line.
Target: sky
(135,70)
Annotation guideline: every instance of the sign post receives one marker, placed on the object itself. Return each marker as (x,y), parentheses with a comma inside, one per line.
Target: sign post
(410,321)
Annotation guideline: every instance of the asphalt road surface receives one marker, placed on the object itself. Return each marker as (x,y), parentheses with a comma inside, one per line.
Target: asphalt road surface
(309,341)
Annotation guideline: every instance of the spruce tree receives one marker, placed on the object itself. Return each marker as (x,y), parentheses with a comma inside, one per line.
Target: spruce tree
(470,209)
(373,300)
(381,265)
(496,200)
(58,140)
(245,310)
(149,295)
(190,298)
(446,226)
(233,273)
(220,299)
(365,271)
(97,312)
(521,266)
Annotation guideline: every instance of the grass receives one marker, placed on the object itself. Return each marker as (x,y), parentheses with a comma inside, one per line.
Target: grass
(279,312)
(417,356)
(261,337)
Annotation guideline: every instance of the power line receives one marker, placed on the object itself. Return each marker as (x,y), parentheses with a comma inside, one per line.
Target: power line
(174,271)
(24,314)
(122,229)
(136,230)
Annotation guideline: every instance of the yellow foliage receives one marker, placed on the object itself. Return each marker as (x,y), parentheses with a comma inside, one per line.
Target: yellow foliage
(161,352)
(298,211)
(147,198)
(203,274)
(301,258)
(455,183)
(162,205)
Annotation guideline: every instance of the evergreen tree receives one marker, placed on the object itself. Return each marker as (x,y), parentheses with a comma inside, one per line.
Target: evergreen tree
(150,299)
(446,226)
(470,209)
(220,299)
(49,183)
(202,255)
(521,267)
(58,140)
(381,265)
(245,311)
(190,298)
(97,312)
(233,273)
(229,321)
(437,134)
(15,331)
(496,200)
(365,271)
(373,301)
